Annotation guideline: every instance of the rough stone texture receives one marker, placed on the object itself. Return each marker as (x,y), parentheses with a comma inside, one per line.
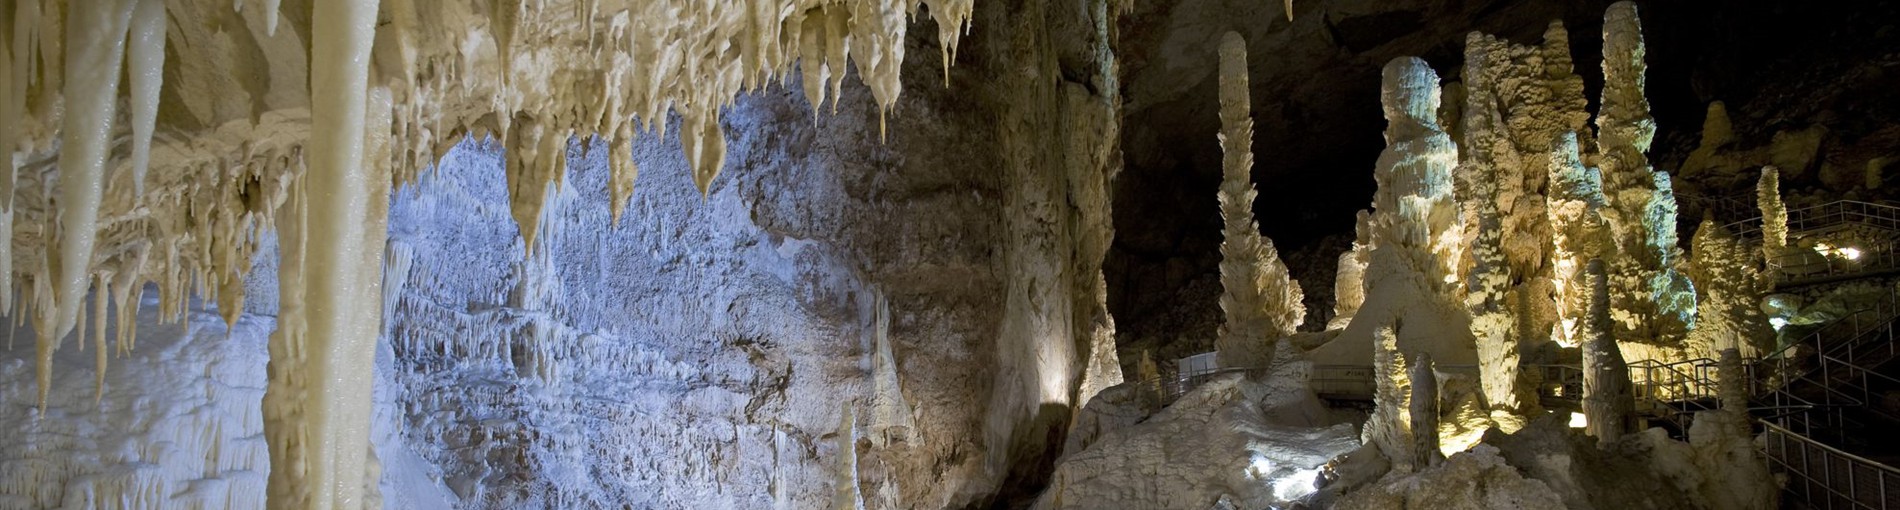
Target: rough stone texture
(1254,443)
(1729,291)
(1478,479)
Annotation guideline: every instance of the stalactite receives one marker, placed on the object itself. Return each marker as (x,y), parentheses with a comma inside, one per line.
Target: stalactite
(327,450)
(95,49)
(1607,399)
(145,66)
(1261,302)
(891,414)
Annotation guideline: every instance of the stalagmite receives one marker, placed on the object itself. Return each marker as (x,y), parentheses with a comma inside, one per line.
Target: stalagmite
(1579,234)
(1607,399)
(845,492)
(95,44)
(1518,100)
(1389,428)
(1488,286)
(1653,303)
(1261,302)
(1728,295)
(1774,217)
(1423,409)
(145,67)
(1349,285)
(1417,243)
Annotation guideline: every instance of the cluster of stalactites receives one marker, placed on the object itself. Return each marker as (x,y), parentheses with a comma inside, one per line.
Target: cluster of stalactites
(60,77)
(1260,300)
(591,70)
(60,70)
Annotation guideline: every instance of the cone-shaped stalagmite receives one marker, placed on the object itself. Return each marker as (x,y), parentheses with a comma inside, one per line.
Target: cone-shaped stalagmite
(1608,403)
(1261,302)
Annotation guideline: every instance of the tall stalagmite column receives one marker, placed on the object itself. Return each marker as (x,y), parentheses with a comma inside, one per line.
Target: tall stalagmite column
(1728,294)
(1578,234)
(1774,219)
(1608,403)
(1261,301)
(1653,302)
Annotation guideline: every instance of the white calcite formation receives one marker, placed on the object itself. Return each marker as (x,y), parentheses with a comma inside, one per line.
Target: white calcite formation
(1475,479)
(1417,233)
(1579,233)
(1654,303)
(1349,287)
(1728,295)
(1260,300)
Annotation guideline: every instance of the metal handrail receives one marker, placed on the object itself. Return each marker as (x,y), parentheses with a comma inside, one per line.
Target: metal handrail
(1812,216)
(1826,489)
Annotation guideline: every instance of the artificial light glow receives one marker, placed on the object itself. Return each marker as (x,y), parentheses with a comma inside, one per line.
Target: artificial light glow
(1452,440)
(1577,421)
(1777,322)
(1842,252)
(1259,467)
(1563,338)
(1296,485)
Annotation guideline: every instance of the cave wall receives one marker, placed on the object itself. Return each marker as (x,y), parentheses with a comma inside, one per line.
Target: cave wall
(707,352)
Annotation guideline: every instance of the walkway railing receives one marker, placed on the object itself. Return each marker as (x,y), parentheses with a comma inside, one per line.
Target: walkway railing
(1827,215)
(1828,478)
(1798,266)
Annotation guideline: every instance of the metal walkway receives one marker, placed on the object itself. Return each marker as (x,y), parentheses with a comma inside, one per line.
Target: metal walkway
(1833,242)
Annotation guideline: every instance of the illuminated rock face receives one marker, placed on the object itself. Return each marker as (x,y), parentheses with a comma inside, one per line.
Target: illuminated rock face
(1411,276)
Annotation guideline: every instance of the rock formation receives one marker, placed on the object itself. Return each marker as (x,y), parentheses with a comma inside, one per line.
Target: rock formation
(1261,301)
(1607,400)
(1774,218)
(1349,289)
(1417,233)
(1728,298)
